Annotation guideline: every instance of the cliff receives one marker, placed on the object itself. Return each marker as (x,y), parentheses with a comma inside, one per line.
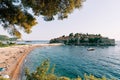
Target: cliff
(84,40)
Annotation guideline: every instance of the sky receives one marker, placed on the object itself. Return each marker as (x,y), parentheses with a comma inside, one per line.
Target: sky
(95,17)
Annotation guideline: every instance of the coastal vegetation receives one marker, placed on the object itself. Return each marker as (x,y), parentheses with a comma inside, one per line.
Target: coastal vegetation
(6,45)
(44,72)
(84,40)
(17,15)
(6,41)
(1,78)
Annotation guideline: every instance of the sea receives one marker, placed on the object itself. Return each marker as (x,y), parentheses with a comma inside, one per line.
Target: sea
(32,42)
(74,61)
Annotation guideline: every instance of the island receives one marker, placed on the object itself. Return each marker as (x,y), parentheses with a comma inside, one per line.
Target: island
(81,39)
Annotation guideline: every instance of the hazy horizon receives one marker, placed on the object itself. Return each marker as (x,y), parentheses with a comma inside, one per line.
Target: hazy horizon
(95,17)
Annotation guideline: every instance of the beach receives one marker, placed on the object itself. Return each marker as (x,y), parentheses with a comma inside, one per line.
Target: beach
(11,58)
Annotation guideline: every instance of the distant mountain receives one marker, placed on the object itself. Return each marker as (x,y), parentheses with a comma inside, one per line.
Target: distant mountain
(84,40)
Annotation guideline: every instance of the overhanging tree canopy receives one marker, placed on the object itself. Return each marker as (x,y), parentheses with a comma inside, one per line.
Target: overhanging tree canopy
(14,14)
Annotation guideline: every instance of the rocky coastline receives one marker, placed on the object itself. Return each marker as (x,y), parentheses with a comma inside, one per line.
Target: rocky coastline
(84,40)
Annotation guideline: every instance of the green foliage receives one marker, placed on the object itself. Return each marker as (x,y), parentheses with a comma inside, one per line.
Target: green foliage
(71,35)
(71,41)
(77,35)
(40,73)
(64,78)
(13,39)
(15,16)
(91,77)
(3,45)
(6,41)
(84,39)
(6,38)
(43,72)
(3,37)
(1,78)
(6,45)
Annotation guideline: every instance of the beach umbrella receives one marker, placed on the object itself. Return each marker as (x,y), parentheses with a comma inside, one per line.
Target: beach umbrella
(6,76)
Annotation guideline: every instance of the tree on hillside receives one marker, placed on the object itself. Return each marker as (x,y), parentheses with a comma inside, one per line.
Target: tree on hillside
(71,35)
(15,15)
(4,38)
(77,35)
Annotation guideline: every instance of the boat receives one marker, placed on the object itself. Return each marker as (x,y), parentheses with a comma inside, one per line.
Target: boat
(91,49)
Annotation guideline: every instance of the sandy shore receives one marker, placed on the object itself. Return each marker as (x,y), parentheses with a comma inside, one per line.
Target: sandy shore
(12,57)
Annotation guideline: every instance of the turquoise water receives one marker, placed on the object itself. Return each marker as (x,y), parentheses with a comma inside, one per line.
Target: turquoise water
(73,61)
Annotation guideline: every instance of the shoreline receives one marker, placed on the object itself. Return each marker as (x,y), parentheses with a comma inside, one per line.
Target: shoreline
(12,58)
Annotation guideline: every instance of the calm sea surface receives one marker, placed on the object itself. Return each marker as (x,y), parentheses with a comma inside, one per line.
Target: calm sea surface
(33,42)
(74,61)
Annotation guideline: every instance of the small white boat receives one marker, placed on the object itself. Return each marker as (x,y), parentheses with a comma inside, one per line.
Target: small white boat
(91,49)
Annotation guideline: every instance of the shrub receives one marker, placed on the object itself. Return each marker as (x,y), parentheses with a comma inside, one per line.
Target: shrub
(44,73)
(1,78)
